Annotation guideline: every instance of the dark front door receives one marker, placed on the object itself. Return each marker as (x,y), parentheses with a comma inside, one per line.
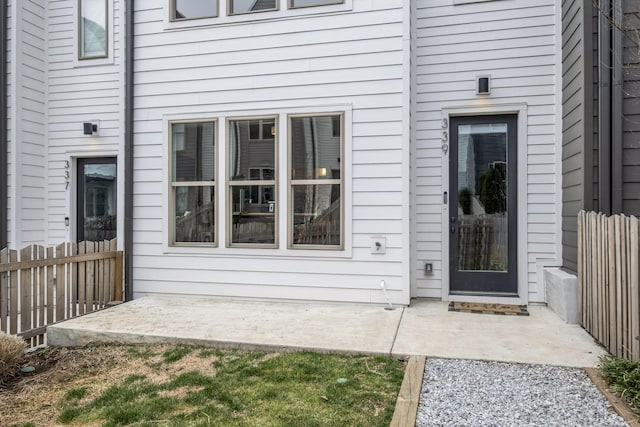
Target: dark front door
(97,195)
(482,216)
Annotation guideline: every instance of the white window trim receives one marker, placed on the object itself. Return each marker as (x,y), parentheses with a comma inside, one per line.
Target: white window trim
(222,251)
(223,18)
(216,185)
(91,62)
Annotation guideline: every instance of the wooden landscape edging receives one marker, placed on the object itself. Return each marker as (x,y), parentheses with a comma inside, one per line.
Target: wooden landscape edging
(406,409)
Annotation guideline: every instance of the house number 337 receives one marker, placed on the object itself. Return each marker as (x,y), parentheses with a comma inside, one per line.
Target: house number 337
(67,175)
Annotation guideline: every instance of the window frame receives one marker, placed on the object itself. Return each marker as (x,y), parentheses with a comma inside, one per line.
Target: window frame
(229,183)
(230,11)
(173,185)
(172,12)
(319,3)
(292,182)
(80,34)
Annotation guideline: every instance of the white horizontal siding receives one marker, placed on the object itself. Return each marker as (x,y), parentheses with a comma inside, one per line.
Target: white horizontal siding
(78,92)
(26,144)
(350,58)
(515,43)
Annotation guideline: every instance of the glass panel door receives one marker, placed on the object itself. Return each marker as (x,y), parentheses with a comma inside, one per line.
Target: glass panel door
(97,196)
(483,205)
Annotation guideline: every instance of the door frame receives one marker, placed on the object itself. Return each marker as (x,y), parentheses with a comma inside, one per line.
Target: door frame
(522,217)
(477,282)
(71,197)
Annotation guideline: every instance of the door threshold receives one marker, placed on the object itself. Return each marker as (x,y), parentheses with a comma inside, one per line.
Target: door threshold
(484,294)
(488,298)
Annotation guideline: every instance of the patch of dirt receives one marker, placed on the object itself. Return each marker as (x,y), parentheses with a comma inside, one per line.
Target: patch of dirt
(35,397)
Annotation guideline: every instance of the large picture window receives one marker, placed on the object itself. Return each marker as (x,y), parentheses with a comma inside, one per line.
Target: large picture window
(315,155)
(193,9)
(193,182)
(252,179)
(93,33)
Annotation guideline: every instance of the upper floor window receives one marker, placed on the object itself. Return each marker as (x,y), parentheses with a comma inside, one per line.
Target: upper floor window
(193,9)
(93,29)
(304,3)
(250,6)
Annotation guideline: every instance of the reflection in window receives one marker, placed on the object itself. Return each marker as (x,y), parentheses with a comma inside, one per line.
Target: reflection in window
(482,197)
(194,9)
(252,181)
(249,6)
(303,3)
(316,185)
(193,182)
(93,29)
(100,197)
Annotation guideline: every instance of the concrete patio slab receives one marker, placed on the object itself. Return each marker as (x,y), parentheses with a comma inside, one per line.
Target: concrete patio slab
(425,328)
(266,325)
(428,328)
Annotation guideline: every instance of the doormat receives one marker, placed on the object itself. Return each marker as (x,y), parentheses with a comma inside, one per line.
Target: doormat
(477,307)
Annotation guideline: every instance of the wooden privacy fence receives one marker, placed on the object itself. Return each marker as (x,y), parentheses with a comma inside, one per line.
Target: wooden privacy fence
(40,286)
(608,274)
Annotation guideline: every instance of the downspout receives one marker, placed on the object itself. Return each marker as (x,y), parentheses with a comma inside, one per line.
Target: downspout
(128,152)
(587,102)
(617,113)
(3,125)
(610,101)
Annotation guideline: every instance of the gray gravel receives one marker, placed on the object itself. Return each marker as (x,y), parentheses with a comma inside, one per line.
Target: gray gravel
(476,393)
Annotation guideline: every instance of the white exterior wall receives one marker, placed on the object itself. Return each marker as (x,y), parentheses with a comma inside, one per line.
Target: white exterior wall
(26,148)
(517,44)
(50,94)
(81,91)
(348,58)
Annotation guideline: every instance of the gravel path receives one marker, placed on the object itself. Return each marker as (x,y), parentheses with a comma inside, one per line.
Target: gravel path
(475,393)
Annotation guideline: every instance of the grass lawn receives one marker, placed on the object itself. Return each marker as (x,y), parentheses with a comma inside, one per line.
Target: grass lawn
(199,386)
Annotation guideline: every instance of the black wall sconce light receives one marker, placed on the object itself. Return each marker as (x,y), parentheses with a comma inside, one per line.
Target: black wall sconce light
(483,85)
(90,128)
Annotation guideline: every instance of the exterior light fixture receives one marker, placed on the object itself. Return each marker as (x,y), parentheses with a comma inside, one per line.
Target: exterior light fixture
(483,85)
(90,128)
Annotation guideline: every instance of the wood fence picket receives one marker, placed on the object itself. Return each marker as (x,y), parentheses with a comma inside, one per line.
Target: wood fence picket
(608,276)
(40,286)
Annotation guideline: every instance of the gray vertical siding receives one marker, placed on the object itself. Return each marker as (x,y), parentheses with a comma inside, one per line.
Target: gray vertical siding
(601,146)
(631,111)
(575,111)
